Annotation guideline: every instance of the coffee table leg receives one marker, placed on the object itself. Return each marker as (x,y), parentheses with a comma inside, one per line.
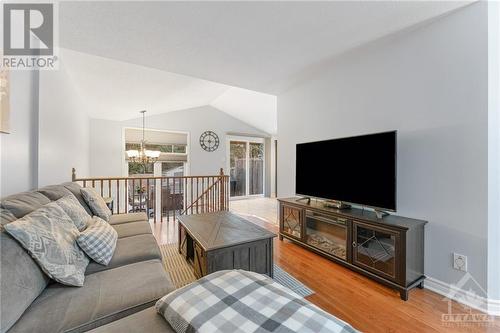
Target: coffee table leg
(272,258)
(179,237)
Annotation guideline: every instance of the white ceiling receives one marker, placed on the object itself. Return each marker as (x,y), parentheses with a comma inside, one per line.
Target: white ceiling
(260,46)
(117,90)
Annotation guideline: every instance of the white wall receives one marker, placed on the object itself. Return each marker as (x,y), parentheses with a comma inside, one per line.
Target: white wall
(63,128)
(430,84)
(107,146)
(494,149)
(19,149)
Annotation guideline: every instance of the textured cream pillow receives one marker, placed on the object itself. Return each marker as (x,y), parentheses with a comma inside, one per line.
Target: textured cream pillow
(96,203)
(49,235)
(75,211)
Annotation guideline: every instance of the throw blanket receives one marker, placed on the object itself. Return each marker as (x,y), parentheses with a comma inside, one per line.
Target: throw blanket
(241,301)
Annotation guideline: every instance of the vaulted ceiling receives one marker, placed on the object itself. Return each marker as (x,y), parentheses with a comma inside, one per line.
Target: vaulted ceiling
(117,90)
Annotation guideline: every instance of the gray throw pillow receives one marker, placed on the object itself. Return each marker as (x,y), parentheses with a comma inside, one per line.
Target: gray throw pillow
(75,211)
(98,240)
(49,235)
(96,203)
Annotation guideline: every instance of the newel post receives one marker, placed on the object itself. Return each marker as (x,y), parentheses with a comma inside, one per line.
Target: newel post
(73,174)
(222,194)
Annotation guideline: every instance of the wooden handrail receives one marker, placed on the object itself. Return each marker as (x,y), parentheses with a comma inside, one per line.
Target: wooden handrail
(182,193)
(201,196)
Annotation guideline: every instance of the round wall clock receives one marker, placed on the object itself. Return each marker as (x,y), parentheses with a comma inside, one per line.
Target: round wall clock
(209,141)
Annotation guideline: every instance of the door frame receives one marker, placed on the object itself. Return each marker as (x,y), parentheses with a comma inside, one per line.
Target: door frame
(247,140)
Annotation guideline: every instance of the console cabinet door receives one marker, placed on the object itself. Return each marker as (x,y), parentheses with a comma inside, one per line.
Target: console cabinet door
(291,222)
(376,250)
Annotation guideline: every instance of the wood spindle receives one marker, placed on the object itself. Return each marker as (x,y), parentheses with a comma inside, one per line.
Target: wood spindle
(133,194)
(118,196)
(191,190)
(161,200)
(168,199)
(155,182)
(197,193)
(174,197)
(126,196)
(147,198)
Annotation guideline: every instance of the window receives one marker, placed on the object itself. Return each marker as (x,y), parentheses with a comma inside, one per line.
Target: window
(164,148)
(135,168)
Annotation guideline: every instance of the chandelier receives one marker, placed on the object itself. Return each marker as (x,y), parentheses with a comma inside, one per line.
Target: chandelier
(143,155)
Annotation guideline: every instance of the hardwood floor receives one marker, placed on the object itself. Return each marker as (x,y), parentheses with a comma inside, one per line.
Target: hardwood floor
(365,304)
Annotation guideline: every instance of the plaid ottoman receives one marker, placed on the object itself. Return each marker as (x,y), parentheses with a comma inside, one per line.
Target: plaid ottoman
(240,301)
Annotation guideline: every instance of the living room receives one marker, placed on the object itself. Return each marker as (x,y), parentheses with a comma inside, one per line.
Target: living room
(343,154)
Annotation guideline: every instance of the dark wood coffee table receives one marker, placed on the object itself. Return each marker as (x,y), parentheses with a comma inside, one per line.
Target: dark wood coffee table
(216,241)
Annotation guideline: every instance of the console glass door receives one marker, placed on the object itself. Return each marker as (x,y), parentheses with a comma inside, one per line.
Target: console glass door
(292,221)
(375,250)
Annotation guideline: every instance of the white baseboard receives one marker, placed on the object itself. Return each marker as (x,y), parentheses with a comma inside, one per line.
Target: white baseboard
(449,291)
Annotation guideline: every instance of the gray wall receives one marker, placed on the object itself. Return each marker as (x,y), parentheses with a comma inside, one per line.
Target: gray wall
(106,139)
(63,128)
(19,149)
(49,131)
(429,83)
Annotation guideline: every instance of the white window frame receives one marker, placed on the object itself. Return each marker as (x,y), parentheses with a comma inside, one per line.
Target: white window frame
(247,140)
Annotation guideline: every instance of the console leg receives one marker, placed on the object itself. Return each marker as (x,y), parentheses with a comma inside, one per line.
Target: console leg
(404,295)
(280,237)
(420,285)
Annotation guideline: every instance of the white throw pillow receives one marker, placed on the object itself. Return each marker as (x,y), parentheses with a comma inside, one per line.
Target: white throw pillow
(96,203)
(98,241)
(49,235)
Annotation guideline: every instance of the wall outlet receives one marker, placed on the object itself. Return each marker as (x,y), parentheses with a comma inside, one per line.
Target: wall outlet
(460,262)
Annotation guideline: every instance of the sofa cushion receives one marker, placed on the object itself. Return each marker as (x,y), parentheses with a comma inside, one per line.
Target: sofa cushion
(132,229)
(24,203)
(129,250)
(75,211)
(96,203)
(105,297)
(54,192)
(144,321)
(21,280)
(126,218)
(98,241)
(75,188)
(49,235)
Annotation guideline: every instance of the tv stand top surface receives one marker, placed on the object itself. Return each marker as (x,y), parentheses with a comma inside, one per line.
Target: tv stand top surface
(356,213)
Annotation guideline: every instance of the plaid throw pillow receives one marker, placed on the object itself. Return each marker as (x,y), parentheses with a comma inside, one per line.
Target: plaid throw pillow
(98,241)
(96,203)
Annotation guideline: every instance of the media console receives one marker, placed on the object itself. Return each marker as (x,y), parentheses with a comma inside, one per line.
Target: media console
(389,250)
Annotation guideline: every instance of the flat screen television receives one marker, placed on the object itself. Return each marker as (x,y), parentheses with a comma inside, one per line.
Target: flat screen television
(358,170)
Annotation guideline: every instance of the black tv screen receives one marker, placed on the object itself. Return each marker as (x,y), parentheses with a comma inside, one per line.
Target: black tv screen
(359,170)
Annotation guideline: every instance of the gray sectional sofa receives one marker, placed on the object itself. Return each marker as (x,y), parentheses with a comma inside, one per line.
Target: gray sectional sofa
(114,298)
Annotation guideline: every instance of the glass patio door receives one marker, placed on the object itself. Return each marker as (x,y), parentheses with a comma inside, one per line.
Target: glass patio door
(246,167)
